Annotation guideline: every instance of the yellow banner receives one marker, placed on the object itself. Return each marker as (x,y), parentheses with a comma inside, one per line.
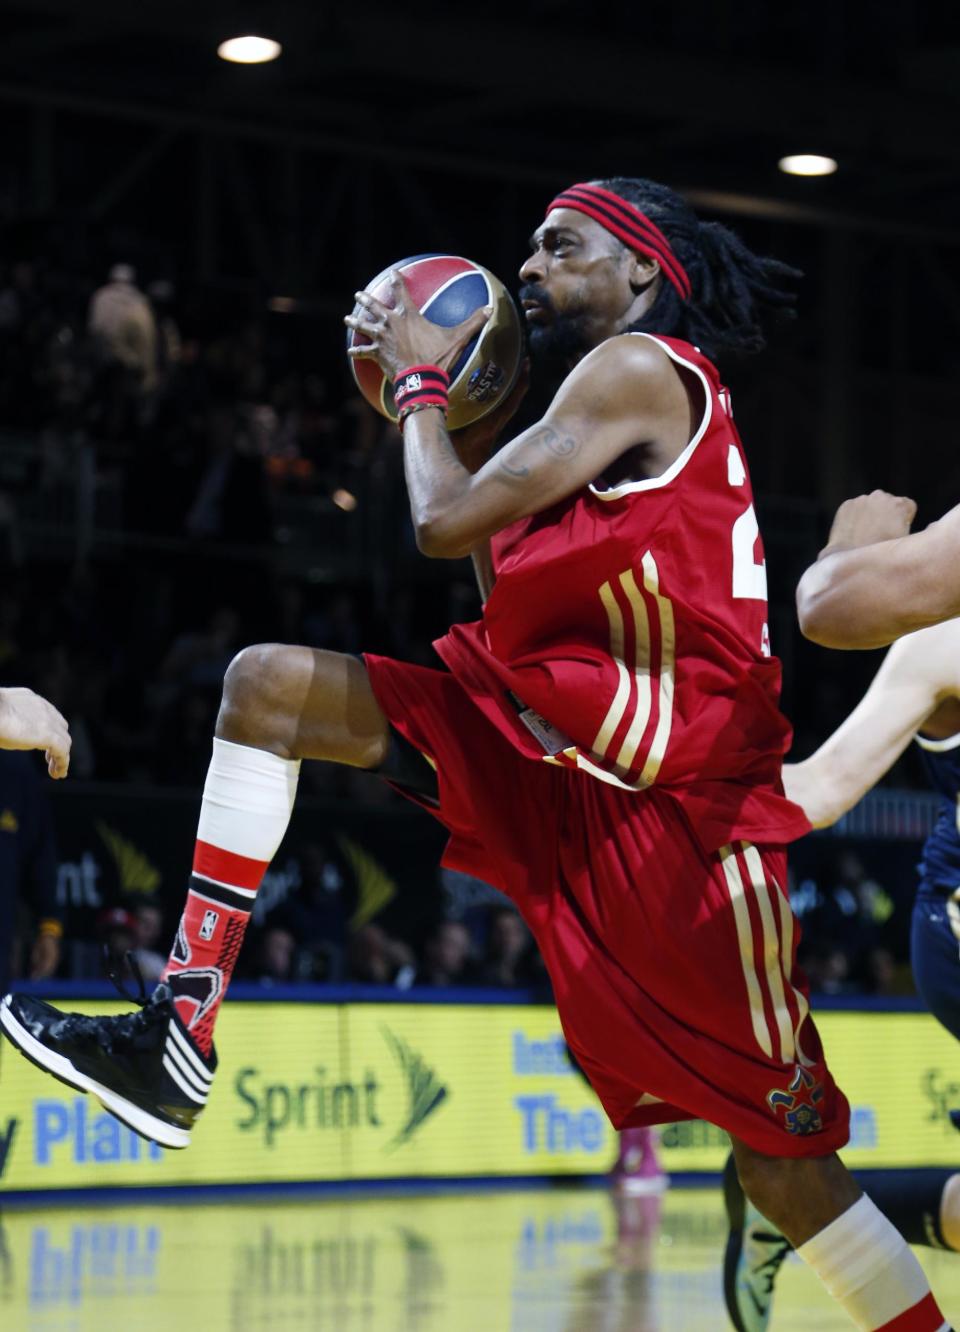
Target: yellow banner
(374,1091)
(332,1092)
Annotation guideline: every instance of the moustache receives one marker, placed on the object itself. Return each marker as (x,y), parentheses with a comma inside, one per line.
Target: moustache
(531,292)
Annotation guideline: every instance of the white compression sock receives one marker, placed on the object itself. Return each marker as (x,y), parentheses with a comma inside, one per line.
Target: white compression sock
(868,1268)
(247,800)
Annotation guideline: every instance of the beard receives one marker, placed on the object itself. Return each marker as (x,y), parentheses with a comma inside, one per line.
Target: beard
(564,338)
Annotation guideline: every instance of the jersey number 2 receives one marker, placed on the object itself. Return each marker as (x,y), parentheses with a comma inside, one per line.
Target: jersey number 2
(749,576)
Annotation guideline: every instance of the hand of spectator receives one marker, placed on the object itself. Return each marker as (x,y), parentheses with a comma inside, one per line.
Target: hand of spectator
(28,721)
(44,957)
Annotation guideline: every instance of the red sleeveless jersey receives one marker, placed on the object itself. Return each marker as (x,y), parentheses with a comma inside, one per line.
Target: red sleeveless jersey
(626,636)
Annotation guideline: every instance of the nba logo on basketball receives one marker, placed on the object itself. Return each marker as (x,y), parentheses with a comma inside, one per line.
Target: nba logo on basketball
(209,924)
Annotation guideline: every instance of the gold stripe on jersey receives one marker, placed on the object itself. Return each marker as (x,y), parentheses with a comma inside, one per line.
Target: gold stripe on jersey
(647,677)
(741,916)
(787,923)
(641,672)
(617,708)
(668,653)
(772,958)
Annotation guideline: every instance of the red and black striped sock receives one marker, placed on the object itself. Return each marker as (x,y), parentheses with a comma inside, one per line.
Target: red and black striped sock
(247,801)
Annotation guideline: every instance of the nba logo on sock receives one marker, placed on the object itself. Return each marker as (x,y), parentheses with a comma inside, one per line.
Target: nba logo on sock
(209,924)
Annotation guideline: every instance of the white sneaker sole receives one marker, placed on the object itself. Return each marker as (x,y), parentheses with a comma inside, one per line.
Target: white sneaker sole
(141,1121)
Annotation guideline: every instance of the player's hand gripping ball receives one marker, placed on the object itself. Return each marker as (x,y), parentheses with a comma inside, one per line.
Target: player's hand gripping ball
(447,290)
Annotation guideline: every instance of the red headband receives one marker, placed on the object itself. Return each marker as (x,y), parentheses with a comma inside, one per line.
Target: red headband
(629,225)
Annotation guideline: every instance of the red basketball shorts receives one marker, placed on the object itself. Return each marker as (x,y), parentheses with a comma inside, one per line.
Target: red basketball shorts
(673,970)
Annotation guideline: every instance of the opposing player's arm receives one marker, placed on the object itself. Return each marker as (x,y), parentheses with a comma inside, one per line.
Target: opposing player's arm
(917,674)
(871,594)
(28,721)
(624,393)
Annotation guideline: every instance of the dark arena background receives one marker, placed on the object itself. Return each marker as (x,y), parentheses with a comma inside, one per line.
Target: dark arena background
(397,1139)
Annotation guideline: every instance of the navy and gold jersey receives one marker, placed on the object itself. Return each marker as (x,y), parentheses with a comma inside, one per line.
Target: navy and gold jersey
(940,862)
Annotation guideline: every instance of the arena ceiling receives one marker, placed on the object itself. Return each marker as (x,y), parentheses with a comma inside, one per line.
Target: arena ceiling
(705,95)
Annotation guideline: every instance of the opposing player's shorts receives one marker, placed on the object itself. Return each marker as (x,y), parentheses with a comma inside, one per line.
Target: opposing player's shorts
(935,954)
(673,970)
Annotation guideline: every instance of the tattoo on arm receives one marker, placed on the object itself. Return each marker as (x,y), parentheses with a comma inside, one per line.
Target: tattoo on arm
(561,446)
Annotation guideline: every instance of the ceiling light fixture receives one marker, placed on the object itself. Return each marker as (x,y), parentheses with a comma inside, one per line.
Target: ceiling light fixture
(249,50)
(807,164)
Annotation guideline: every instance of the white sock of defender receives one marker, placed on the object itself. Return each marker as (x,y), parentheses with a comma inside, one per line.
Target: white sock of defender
(868,1268)
(247,802)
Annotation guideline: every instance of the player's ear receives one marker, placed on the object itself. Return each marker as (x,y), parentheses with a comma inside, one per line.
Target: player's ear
(643,272)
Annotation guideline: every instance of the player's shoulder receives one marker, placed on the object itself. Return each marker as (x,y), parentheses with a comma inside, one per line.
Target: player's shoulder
(636,350)
(627,363)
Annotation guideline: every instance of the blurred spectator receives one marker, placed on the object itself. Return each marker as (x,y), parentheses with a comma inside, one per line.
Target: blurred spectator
(117,928)
(316,913)
(116,937)
(181,755)
(510,959)
(446,956)
(28,871)
(18,297)
(885,976)
(230,502)
(169,342)
(277,955)
(374,958)
(148,926)
(122,319)
(335,625)
(827,967)
(848,919)
(199,658)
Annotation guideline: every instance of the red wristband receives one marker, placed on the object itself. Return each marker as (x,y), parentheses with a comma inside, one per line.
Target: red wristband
(421,386)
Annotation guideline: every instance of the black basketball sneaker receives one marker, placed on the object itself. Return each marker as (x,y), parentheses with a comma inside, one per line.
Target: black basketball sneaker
(754,1255)
(143,1067)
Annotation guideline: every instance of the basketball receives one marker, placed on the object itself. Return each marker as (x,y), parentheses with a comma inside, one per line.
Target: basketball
(447,289)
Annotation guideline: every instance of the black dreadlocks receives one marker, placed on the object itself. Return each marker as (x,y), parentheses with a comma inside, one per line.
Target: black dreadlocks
(733,289)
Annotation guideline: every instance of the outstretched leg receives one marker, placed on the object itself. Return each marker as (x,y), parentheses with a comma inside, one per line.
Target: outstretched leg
(154,1069)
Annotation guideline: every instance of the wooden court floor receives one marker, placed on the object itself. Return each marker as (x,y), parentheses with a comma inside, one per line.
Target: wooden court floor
(555,1260)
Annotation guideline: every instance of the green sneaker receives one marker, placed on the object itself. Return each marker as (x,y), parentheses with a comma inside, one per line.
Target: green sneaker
(754,1255)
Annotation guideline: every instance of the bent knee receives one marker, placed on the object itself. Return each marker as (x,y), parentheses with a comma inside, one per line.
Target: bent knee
(255,673)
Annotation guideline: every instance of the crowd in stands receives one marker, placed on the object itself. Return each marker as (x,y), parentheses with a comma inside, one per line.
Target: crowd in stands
(192,442)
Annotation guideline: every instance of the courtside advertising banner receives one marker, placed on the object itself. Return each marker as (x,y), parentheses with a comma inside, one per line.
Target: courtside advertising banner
(315,1092)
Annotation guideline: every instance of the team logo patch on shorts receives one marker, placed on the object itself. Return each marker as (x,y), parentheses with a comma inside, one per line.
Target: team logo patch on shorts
(799,1104)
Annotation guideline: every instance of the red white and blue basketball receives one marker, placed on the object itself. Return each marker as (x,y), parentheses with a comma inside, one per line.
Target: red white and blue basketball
(447,289)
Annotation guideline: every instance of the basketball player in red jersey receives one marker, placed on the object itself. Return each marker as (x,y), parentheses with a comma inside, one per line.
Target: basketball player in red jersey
(605,744)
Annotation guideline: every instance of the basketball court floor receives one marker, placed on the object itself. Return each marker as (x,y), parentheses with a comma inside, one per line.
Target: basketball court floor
(551,1260)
